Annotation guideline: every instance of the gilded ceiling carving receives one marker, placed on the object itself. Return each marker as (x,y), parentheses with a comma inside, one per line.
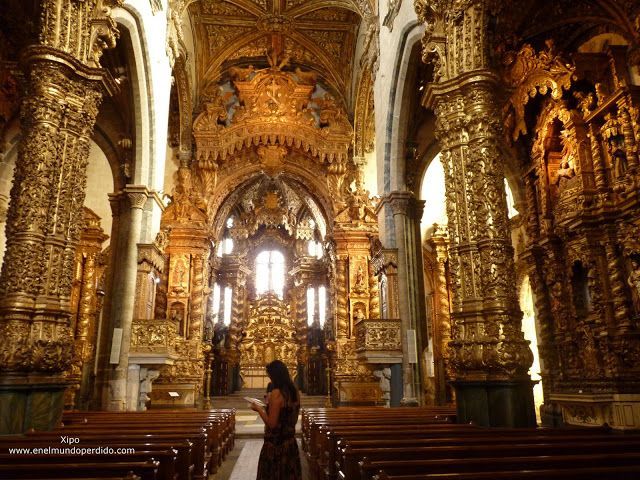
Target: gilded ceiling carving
(274,107)
(318,34)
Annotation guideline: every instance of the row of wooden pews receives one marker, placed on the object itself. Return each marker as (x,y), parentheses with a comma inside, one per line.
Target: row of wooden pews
(400,444)
(160,445)
(322,428)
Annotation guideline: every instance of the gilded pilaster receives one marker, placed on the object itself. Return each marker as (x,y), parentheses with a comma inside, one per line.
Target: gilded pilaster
(374,293)
(342,315)
(596,156)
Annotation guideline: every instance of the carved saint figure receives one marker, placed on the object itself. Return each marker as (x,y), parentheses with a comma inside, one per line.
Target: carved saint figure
(634,282)
(565,171)
(359,283)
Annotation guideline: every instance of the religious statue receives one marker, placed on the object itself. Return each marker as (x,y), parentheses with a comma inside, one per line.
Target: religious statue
(359,285)
(565,171)
(614,136)
(385,383)
(359,314)
(634,282)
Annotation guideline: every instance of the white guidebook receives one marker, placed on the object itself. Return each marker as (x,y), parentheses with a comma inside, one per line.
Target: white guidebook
(258,402)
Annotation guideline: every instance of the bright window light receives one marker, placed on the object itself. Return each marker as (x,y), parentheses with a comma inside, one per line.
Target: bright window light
(215,306)
(270,272)
(511,209)
(322,304)
(311,304)
(315,249)
(227,305)
(228,246)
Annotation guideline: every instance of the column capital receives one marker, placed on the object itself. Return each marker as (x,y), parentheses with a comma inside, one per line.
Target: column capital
(137,195)
(404,202)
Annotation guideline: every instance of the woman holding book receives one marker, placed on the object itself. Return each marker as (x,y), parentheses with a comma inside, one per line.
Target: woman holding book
(279,457)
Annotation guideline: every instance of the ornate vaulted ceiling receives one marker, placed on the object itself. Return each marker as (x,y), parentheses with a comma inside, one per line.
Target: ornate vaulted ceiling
(318,35)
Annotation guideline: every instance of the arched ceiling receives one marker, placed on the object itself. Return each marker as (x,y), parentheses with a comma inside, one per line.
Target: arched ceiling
(281,198)
(568,22)
(317,35)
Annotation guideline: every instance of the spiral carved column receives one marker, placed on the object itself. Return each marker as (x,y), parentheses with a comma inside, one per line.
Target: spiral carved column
(63,90)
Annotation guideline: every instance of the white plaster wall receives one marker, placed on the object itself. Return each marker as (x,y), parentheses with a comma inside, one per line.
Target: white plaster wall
(99,185)
(370,173)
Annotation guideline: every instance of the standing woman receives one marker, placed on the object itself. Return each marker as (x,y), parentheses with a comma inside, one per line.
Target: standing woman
(279,457)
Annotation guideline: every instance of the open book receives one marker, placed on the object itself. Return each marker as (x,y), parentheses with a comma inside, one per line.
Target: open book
(258,402)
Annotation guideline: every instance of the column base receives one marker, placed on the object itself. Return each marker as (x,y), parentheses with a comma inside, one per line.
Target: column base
(409,402)
(28,402)
(495,403)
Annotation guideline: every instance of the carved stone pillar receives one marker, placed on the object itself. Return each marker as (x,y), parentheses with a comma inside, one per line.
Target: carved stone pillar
(489,354)
(407,213)
(123,300)
(63,90)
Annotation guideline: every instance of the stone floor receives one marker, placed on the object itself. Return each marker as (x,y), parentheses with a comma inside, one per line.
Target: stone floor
(242,462)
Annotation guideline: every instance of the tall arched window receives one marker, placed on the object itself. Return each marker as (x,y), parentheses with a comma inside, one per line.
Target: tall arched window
(270,272)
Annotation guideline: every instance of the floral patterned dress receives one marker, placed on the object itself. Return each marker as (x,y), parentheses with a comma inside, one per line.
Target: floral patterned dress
(279,457)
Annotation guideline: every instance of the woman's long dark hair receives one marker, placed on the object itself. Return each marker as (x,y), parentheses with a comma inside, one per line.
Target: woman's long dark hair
(279,374)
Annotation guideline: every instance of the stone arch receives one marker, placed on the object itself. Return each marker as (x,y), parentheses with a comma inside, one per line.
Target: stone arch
(131,20)
(233,183)
(393,148)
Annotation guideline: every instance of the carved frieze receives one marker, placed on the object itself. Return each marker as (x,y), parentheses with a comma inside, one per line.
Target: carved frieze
(274,109)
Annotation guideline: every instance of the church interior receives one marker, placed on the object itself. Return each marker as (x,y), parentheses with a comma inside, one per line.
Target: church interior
(429,210)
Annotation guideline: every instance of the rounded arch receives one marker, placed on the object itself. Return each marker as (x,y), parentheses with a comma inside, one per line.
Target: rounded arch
(313,186)
(129,19)
(236,185)
(395,124)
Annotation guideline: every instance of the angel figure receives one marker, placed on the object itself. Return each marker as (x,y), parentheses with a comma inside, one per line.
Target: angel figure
(634,282)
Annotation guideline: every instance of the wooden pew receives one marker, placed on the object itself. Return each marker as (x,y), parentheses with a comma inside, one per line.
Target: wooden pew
(366,462)
(48,471)
(183,465)
(495,464)
(166,460)
(631,472)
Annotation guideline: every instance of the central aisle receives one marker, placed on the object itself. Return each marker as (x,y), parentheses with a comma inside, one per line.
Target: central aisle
(247,463)
(242,462)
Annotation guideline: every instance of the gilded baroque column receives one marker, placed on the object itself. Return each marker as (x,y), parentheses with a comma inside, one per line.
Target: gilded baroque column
(407,213)
(442,323)
(124,297)
(63,90)
(342,315)
(489,354)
